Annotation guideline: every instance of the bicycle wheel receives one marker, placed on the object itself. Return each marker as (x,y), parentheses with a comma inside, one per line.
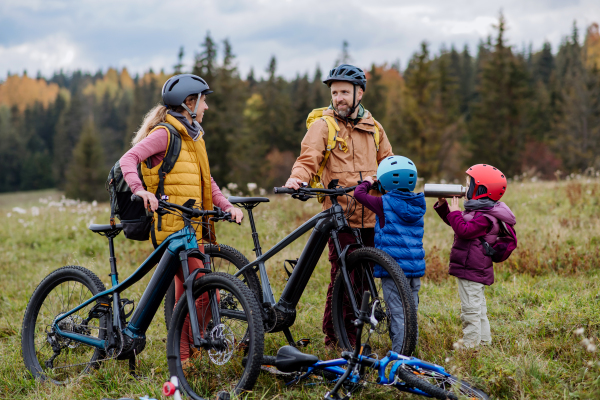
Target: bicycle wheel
(223,259)
(204,372)
(451,385)
(360,264)
(46,354)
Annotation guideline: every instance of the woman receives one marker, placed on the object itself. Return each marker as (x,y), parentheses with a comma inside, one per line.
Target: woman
(190,177)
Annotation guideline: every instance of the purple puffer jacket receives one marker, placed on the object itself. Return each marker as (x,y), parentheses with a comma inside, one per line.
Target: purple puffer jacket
(467,257)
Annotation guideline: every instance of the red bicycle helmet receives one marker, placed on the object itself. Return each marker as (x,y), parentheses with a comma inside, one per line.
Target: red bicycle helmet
(490,177)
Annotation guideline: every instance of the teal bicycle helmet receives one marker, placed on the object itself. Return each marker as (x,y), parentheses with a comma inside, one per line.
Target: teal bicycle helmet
(397,172)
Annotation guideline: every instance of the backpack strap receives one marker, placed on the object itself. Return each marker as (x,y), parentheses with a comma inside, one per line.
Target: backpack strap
(376,135)
(171,156)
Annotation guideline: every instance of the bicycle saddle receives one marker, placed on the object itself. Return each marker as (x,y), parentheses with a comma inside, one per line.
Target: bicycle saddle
(290,359)
(97,228)
(247,201)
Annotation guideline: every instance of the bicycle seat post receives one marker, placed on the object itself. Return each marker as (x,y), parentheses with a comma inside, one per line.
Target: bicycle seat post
(257,249)
(114,278)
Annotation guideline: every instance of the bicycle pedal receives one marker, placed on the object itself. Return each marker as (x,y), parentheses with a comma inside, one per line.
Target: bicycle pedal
(303,342)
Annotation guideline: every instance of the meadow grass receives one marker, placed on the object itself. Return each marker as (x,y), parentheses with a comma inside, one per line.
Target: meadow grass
(542,294)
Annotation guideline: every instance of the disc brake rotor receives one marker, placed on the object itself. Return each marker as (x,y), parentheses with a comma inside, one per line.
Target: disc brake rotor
(223,333)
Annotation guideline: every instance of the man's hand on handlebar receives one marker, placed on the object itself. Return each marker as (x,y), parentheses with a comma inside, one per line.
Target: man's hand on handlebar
(149,199)
(236,214)
(293,183)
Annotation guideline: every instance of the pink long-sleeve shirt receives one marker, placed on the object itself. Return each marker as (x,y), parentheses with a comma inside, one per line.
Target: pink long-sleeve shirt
(155,147)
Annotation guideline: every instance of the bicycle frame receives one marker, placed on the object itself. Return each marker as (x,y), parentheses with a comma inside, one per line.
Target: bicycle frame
(326,223)
(335,366)
(182,244)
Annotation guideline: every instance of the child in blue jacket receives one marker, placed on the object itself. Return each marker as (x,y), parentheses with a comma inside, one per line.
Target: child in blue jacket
(398,232)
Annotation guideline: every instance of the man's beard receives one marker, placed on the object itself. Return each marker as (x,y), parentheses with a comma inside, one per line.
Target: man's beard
(343,113)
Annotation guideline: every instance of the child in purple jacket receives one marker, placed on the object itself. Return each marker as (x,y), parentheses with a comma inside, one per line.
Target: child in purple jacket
(474,229)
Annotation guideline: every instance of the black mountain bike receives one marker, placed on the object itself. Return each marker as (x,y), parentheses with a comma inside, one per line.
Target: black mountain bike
(355,274)
(72,322)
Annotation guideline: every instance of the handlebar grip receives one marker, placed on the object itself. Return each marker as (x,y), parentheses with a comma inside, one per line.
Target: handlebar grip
(135,197)
(283,190)
(365,302)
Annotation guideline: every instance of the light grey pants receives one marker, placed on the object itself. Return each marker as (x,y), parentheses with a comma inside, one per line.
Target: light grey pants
(473,313)
(393,302)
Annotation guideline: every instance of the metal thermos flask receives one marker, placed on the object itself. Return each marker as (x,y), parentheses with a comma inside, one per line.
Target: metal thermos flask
(440,190)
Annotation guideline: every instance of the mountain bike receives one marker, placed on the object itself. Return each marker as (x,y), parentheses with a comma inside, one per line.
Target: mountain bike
(354,276)
(73,323)
(360,367)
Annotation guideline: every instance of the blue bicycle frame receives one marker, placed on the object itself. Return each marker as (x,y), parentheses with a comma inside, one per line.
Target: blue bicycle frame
(171,255)
(335,367)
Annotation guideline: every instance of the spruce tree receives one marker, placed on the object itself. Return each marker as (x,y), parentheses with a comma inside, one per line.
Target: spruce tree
(497,133)
(375,97)
(86,174)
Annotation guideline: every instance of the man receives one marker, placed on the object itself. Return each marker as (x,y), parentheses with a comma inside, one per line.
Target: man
(361,158)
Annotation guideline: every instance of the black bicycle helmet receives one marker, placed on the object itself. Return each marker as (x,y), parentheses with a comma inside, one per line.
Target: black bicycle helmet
(348,73)
(177,88)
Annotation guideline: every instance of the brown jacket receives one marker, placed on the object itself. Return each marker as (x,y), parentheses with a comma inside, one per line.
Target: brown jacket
(361,157)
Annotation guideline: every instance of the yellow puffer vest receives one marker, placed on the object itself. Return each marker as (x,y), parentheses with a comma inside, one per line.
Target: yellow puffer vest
(189,179)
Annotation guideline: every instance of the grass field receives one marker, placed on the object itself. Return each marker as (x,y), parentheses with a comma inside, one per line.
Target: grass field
(548,288)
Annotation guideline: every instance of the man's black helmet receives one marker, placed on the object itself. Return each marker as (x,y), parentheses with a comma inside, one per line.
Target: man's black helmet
(177,88)
(348,73)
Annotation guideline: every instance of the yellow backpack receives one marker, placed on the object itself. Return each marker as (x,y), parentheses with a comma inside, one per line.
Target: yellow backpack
(333,139)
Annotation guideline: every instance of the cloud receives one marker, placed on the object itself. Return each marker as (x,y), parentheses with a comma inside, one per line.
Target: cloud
(50,34)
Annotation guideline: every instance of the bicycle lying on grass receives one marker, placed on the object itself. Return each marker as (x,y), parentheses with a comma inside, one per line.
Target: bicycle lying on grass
(359,367)
(72,322)
(354,277)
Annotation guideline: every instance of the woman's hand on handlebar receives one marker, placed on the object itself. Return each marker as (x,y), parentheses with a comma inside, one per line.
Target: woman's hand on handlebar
(149,199)
(236,214)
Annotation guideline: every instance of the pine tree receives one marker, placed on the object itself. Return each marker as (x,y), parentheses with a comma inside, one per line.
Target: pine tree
(375,97)
(179,66)
(344,57)
(496,131)
(87,174)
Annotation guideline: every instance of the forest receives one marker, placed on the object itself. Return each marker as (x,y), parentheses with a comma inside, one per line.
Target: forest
(530,112)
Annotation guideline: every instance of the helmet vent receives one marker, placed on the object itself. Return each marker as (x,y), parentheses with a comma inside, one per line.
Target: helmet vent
(410,182)
(349,73)
(396,175)
(411,163)
(173,84)
(395,182)
(412,175)
(394,163)
(341,72)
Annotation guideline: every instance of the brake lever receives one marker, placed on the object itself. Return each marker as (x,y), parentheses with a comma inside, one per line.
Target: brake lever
(372,320)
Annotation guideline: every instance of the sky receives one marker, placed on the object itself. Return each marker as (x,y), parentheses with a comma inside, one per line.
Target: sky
(49,35)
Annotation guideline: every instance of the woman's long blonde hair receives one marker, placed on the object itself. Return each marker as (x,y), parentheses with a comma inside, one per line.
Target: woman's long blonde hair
(154,117)
(157,115)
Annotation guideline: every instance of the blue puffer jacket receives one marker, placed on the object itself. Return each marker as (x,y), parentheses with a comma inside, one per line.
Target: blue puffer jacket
(402,235)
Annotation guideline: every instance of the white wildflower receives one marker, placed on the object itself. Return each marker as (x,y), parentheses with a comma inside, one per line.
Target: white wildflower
(232,186)
(35,211)
(585,342)
(448,359)
(252,186)
(591,348)
(74,228)
(589,363)
(19,210)
(8,215)
(459,344)
(226,192)
(21,221)
(94,203)
(262,191)
(579,331)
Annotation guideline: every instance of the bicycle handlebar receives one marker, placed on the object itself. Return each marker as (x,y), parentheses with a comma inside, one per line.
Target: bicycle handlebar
(307,190)
(193,212)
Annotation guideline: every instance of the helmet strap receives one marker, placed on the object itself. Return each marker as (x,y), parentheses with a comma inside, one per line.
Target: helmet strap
(194,113)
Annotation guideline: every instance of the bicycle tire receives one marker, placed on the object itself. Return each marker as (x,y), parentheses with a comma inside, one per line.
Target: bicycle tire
(231,375)
(359,263)
(35,343)
(414,381)
(446,382)
(236,261)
